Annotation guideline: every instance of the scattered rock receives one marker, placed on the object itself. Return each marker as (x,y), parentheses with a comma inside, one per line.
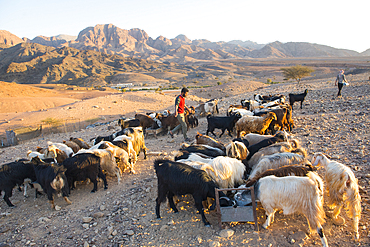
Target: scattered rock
(214,244)
(129,232)
(163,228)
(87,219)
(98,214)
(226,233)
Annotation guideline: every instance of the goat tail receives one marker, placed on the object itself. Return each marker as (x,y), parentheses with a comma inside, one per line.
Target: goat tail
(158,162)
(251,182)
(316,215)
(352,200)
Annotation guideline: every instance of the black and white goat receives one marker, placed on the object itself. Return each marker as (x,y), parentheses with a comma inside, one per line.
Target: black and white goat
(203,149)
(52,179)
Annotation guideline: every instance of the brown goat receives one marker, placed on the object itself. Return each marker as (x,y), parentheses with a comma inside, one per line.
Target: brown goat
(252,124)
(207,140)
(80,142)
(145,120)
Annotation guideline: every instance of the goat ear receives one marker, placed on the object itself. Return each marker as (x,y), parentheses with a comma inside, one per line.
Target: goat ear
(348,182)
(315,161)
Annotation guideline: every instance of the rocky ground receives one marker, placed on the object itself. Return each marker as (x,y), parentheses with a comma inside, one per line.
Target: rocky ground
(124,214)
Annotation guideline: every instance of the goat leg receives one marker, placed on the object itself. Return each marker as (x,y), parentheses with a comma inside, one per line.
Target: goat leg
(170,201)
(8,193)
(52,203)
(269,219)
(199,206)
(102,176)
(222,132)
(324,241)
(67,200)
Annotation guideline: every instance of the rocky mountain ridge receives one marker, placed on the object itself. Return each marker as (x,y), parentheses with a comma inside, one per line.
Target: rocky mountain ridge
(135,42)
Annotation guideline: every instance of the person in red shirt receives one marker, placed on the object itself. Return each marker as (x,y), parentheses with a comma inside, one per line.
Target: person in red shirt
(180,113)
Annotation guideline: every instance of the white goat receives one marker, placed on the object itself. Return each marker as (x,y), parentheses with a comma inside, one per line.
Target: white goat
(125,159)
(294,194)
(277,160)
(63,147)
(225,171)
(130,147)
(342,189)
(242,112)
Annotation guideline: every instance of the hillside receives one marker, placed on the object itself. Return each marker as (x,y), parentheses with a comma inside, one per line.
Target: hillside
(34,63)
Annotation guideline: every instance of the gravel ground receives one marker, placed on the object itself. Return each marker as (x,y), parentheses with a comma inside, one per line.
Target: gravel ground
(124,214)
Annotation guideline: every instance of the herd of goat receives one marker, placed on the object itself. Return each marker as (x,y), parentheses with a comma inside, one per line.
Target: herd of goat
(262,155)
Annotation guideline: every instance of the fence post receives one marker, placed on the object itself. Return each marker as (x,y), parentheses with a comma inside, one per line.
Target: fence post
(11,138)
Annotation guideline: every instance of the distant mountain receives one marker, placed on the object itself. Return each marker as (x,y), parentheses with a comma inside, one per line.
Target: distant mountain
(33,63)
(366,53)
(302,49)
(136,43)
(9,38)
(65,37)
(247,44)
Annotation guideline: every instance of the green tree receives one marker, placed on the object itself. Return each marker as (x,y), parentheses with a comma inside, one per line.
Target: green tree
(296,72)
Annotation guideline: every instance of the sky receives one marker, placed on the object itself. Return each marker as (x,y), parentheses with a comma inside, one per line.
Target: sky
(339,24)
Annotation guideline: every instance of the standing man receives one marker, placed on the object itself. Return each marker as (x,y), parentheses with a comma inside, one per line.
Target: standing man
(180,113)
(340,81)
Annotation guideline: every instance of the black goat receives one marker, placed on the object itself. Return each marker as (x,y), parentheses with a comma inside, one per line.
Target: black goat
(107,138)
(175,178)
(203,149)
(223,123)
(84,166)
(279,137)
(192,120)
(52,179)
(12,174)
(297,97)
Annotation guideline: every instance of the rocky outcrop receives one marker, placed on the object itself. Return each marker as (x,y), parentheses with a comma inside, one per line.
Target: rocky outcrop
(49,41)
(9,38)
